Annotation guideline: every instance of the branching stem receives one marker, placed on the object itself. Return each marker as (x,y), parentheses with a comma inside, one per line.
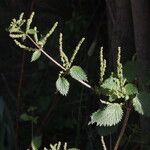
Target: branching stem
(56,63)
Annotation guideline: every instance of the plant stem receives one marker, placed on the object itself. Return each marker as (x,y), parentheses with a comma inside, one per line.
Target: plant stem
(103,143)
(123,128)
(56,63)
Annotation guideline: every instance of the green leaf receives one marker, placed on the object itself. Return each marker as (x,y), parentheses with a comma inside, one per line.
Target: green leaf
(36,55)
(36,142)
(25,117)
(78,73)
(31,31)
(141,103)
(131,89)
(137,106)
(110,116)
(111,84)
(62,85)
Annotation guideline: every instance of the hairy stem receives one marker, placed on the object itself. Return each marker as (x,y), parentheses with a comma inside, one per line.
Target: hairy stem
(56,63)
(123,128)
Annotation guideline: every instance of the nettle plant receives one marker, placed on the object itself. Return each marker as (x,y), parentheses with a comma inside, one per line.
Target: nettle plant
(122,96)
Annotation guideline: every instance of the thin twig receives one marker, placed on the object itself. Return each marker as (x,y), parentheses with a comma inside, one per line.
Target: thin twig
(123,128)
(103,143)
(56,63)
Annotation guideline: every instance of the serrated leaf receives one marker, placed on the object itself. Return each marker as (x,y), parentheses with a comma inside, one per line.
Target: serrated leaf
(62,85)
(141,103)
(111,84)
(31,31)
(36,55)
(131,89)
(36,142)
(110,116)
(78,73)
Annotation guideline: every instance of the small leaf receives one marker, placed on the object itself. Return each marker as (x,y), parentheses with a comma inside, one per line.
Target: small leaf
(36,142)
(35,55)
(131,89)
(62,85)
(110,116)
(26,117)
(111,84)
(78,73)
(137,106)
(31,31)
(141,103)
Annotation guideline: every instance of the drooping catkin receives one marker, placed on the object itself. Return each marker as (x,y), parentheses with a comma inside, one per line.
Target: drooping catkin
(102,65)
(29,21)
(44,39)
(63,56)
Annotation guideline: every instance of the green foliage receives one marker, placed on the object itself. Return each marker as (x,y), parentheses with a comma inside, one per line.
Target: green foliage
(112,84)
(26,117)
(110,116)
(137,106)
(115,88)
(36,142)
(31,118)
(131,89)
(118,87)
(78,73)
(18,31)
(141,103)
(62,85)
(36,55)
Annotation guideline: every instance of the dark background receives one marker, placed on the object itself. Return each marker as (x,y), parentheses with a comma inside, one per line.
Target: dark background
(104,23)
